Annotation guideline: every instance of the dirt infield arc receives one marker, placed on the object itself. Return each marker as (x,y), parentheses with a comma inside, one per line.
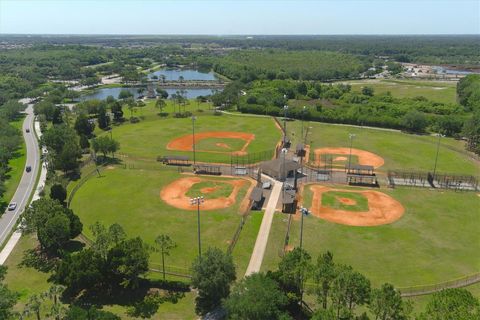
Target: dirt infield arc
(364,157)
(383,209)
(185,143)
(175,193)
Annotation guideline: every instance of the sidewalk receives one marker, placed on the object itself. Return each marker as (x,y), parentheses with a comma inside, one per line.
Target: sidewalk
(262,237)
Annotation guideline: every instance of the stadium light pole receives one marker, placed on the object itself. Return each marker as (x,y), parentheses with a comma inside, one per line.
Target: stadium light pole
(285,108)
(193,137)
(198,201)
(303,212)
(350,136)
(436,156)
(303,113)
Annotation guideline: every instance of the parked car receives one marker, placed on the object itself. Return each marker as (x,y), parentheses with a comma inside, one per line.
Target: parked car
(27,130)
(12,206)
(28,168)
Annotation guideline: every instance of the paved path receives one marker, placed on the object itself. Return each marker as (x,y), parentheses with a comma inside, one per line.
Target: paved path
(262,237)
(27,183)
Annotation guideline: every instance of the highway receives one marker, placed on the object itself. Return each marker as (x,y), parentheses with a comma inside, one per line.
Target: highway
(27,183)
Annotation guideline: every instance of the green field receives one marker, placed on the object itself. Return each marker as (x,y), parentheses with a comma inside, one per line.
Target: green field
(399,150)
(218,189)
(436,240)
(132,199)
(17,166)
(438,91)
(149,138)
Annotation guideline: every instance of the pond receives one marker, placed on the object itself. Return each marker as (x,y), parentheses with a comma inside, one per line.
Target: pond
(103,93)
(445,70)
(187,74)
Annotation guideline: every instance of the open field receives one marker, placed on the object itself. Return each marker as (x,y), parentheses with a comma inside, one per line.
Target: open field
(157,135)
(398,150)
(438,91)
(17,166)
(434,241)
(132,198)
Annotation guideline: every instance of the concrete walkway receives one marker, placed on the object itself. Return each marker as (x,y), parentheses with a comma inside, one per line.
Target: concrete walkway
(262,237)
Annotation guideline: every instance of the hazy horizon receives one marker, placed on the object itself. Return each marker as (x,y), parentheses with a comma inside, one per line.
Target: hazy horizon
(237,18)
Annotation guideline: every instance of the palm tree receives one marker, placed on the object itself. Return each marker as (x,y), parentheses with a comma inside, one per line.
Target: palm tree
(33,306)
(160,104)
(54,293)
(163,77)
(165,244)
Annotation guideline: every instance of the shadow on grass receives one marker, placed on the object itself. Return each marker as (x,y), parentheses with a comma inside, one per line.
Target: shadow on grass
(171,291)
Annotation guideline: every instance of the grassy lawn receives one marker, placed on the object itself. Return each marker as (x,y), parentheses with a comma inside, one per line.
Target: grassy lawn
(399,150)
(332,199)
(436,240)
(149,138)
(132,199)
(17,166)
(275,242)
(439,91)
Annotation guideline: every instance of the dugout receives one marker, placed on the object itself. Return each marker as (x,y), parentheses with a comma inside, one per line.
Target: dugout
(175,160)
(257,198)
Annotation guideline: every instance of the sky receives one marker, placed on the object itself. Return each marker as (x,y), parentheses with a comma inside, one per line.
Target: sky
(247,17)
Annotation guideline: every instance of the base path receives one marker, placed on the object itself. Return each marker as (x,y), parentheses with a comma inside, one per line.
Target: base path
(262,237)
(382,209)
(185,143)
(175,194)
(364,157)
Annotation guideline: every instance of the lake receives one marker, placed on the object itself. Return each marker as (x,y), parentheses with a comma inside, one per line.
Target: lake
(103,93)
(187,74)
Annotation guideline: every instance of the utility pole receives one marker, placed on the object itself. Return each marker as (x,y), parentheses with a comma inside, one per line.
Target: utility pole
(198,201)
(285,108)
(193,137)
(303,212)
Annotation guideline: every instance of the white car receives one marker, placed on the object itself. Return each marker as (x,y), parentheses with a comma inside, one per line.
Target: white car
(12,206)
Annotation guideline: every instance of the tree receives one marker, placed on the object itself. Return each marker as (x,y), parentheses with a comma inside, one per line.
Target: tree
(212,275)
(256,297)
(117,111)
(8,298)
(324,273)
(164,244)
(414,121)
(292,273)
(63,146)
(386,304)
(58,192)
(105,145)
(103,119)
(53,223)
(78,313)
(368,91)
(34,306)
(349,289)
(83,126)
(57,310)
(124,94)
(127,261)
(116,233)
(160,104)
(452,304)
(82,270)
(471,130)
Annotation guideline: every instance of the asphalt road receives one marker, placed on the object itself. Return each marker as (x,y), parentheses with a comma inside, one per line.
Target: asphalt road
(27,183)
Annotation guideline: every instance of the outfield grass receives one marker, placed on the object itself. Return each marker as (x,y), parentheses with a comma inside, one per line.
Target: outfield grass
(399,150)
(149,138)
(438,91)
(17,166)
(132,199)
(436,240)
